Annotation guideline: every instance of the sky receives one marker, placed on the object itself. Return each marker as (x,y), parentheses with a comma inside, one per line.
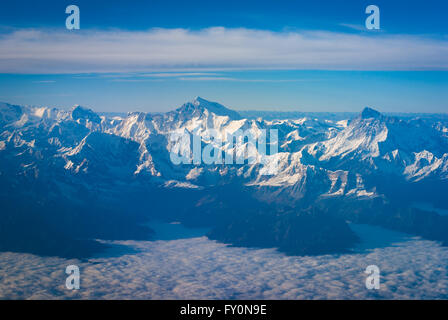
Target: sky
(248,55)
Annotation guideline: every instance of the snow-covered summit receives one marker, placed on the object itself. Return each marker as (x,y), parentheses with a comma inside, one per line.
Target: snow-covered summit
(198,105)
(370,113)
(80,112)
(318,156)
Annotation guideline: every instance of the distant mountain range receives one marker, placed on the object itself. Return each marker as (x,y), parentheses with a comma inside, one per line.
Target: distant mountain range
(77,175)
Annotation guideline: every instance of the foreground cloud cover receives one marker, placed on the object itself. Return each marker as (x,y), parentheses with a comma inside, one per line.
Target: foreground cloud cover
(198,268)
(52,51)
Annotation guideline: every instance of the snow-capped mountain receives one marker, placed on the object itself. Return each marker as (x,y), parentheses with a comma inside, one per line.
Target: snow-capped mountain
(330,158)
(355,167)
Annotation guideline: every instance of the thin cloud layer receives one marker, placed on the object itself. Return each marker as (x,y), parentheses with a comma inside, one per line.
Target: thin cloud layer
(202,269)
(85,51)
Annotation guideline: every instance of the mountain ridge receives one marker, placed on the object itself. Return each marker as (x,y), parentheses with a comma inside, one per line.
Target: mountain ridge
(369,161)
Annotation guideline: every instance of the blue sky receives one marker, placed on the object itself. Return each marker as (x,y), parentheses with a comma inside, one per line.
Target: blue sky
(265,55)
(398,16)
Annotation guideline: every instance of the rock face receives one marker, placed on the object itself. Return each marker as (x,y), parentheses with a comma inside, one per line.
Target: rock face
(119,168)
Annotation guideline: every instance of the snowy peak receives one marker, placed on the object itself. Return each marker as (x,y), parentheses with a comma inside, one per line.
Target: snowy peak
(199,105)
(9,113)
(360,140)
(81,113)
(317,156)
(369,113)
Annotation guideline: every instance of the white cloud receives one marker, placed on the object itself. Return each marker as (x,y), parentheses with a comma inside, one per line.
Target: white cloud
(207,79)
(202,269)
(217,48)
(178,74)
(241,79)
(357,27)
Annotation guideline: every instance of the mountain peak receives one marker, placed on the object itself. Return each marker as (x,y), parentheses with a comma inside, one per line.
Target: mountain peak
(201,104)
(78,107)
(368,113)
(198,101)
(79,112)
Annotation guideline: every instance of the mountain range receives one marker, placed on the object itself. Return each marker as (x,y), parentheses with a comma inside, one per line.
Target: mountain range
(70,176)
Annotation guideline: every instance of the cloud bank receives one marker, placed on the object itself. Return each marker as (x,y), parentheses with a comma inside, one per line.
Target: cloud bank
(202,269)
(88,51)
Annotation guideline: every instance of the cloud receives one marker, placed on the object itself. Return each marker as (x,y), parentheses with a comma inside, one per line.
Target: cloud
(179,74)
(135,80)
(240,79)
(202,269)
(216,48)
(145,77)
(45,81)
(191,77)
(207,79)
(357,27)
